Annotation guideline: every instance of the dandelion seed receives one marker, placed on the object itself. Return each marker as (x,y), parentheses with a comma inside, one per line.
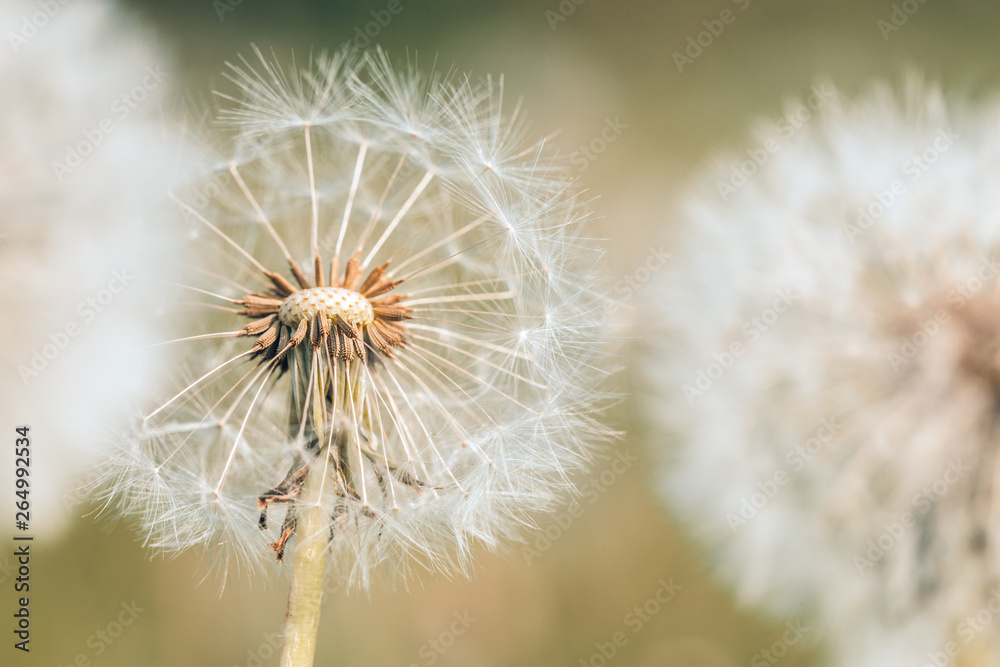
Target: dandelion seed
(413,365)
(839,455)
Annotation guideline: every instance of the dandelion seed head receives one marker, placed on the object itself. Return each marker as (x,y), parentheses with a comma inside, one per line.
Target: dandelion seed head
(840,461)
(416,333)
(330,302)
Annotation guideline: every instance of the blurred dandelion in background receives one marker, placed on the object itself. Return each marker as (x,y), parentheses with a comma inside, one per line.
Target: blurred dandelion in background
(398,345)
(84,166)
(824,373)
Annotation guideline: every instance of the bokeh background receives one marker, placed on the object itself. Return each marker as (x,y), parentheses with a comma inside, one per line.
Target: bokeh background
(580,66)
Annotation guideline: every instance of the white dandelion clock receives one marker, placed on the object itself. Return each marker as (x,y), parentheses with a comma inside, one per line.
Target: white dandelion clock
(825,370)
(80,172)
(406,361)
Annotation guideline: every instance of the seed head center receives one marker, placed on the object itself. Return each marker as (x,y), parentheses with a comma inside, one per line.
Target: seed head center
(330,301)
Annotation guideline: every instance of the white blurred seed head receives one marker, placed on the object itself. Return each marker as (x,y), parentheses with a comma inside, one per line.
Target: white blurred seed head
(462,395)
(824,374)
(73,367)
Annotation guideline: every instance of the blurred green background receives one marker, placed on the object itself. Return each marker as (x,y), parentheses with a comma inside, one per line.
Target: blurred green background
(606,62)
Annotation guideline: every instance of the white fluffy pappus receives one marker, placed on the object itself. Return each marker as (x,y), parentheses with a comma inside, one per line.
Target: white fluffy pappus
(823,377)
(389,294)
(76,197)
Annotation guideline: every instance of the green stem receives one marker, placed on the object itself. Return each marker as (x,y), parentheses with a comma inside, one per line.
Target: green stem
(308,570)
(305,595)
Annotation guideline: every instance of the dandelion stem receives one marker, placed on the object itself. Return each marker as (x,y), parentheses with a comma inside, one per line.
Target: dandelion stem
(305,594)
(308,570)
